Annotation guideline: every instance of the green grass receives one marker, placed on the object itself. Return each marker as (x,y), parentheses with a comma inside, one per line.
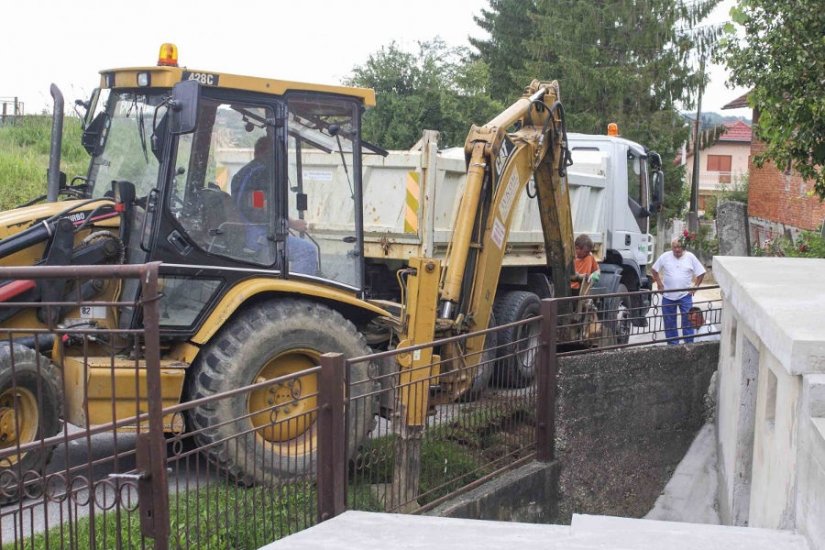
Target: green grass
(216,516)
(24,157)
(453,454)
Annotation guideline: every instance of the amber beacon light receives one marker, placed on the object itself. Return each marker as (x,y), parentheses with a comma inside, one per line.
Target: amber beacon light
(168,56)
(612,129)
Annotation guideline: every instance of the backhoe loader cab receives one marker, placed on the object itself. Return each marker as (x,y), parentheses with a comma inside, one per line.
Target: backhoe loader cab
(218,181)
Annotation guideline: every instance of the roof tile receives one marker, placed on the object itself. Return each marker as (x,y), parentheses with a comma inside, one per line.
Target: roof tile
(737,131)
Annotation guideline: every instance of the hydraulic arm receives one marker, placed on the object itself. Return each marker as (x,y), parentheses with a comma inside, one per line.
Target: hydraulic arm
(526,142)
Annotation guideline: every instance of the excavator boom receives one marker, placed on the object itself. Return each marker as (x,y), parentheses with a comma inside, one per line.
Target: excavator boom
(526,142)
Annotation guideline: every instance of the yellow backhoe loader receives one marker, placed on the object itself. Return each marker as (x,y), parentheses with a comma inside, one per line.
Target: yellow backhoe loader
(222,178)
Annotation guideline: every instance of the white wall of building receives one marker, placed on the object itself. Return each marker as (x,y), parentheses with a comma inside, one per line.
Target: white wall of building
(771,416)
(710,180)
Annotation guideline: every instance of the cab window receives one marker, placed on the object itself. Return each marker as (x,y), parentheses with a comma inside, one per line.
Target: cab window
(636,174)
(223,189)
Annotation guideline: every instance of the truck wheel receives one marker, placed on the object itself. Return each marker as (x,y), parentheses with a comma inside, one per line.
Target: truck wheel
(618,311)
(30,408)
(270,433)
(483,373)
(518,346)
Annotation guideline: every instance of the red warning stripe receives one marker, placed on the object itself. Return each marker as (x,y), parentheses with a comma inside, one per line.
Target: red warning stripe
(15,288)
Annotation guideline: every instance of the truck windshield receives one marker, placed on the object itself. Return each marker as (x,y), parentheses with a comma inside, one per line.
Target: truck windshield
(126,153)
(637,189)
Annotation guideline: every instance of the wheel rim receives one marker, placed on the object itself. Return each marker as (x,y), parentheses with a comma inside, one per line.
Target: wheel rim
(19,418)
(284,413)
(623,321)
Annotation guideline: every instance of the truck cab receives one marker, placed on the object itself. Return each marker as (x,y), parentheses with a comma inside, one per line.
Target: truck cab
(613,194)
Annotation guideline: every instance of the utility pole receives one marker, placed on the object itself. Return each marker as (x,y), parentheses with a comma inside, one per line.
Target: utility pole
(693,213)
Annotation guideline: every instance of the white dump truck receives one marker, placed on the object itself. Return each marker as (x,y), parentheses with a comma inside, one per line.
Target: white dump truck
(411,197)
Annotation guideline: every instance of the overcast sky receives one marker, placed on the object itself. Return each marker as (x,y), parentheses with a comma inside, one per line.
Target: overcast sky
(69,41)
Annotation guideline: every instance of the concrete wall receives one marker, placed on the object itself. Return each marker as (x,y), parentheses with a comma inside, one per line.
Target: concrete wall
(810,504)
(528,494)
(771,402)
(732,229)
(624,421)
(762,230)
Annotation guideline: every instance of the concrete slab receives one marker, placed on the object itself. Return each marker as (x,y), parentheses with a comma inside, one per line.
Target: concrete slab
(605,532)
(367,531)
(784,307)
(690,495)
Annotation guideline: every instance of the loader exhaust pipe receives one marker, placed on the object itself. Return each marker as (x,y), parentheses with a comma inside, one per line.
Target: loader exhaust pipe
(56,141)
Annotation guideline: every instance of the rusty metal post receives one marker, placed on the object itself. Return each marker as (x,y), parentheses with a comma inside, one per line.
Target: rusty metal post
(156,524)
(332,425)
(546,382)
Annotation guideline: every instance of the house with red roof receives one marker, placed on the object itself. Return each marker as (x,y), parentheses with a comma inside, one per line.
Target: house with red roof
(780,202)
(723,164)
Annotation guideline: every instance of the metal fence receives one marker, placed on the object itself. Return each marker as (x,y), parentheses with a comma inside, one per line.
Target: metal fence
(10,110)
(102,444)
(442,430)
(620,320)
(63,485)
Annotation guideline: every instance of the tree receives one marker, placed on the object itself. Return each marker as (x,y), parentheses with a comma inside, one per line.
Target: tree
(781,57)
(506,23)
(439,88)
(632,62)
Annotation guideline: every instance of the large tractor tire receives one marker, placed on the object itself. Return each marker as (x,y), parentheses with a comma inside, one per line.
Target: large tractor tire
(271,433)
(618,316)
(31,395)
(518,346)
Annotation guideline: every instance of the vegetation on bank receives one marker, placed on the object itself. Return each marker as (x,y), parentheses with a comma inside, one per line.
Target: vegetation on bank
(808,244)
(214,516)
(24,157)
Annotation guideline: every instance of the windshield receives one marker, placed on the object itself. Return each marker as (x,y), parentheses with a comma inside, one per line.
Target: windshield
(126,131)
(324,184)
(245,191)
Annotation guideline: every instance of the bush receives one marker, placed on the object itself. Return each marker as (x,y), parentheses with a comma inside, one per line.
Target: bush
(706,243)
(737,191)
(808,244)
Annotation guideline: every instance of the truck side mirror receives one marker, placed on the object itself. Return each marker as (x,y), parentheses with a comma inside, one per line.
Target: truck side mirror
(183,107)
(658,198)
(655,160)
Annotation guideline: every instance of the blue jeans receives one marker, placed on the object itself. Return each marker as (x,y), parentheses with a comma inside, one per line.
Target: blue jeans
(669,311)
(303,255)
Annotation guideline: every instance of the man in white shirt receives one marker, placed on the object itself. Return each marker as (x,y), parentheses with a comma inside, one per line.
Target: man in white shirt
(704,333)
(675,272)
